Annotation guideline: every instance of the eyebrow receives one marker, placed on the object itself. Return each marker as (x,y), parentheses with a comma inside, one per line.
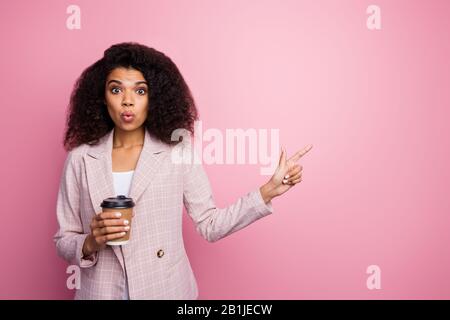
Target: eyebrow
(119,82)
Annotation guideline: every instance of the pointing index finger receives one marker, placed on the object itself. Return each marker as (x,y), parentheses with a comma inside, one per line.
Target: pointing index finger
(301,153)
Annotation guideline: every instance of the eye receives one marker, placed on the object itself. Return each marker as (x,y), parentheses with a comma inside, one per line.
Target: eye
(112,90)
(143,91)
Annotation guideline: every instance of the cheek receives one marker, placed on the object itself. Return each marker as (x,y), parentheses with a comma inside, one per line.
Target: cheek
(111,102)
(112,110)
(144,100)
(143,106)
(144,114)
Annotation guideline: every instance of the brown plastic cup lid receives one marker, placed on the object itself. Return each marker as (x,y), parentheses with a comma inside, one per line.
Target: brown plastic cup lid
(120,201)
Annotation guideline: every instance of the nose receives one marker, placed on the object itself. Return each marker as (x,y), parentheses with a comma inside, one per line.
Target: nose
(127,102)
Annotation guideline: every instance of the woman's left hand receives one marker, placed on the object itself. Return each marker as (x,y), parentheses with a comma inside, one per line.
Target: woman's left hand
(287,175)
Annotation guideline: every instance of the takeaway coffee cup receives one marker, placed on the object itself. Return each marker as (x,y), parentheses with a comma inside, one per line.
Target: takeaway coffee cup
(123,205)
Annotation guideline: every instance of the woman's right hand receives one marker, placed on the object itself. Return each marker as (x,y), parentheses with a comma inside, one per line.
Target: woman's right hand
(105,226)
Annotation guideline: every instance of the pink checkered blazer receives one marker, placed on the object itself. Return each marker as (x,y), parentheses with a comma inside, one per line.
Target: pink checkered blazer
(159,188)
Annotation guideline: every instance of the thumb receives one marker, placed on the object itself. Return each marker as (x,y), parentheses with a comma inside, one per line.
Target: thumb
(282,157)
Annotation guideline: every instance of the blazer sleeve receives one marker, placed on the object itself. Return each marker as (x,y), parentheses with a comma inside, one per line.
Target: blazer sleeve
(69,238)
(215,223)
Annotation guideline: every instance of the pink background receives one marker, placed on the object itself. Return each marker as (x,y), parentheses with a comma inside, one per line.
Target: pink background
(375,105)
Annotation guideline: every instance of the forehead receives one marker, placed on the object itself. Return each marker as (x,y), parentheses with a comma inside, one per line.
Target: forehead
(125,75)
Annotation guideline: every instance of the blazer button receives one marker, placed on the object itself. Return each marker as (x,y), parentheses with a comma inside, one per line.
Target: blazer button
(160,253)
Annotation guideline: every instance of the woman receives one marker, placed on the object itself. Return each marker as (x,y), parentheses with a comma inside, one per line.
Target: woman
(123,111)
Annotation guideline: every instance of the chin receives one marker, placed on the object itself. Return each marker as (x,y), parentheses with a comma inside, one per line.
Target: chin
(128,126)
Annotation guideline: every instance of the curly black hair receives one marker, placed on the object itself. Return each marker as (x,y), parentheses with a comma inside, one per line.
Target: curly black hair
(171,105)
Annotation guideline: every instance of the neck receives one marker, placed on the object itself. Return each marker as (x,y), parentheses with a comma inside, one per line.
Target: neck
(128,139)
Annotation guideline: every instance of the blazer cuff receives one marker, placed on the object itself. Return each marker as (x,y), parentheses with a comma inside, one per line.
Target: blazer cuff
(262,208)
(85,261)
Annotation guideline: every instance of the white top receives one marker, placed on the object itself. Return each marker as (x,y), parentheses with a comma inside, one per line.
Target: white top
(122,182)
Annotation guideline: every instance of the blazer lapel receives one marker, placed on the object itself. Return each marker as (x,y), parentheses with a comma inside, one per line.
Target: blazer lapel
(150,159)
(98,161)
